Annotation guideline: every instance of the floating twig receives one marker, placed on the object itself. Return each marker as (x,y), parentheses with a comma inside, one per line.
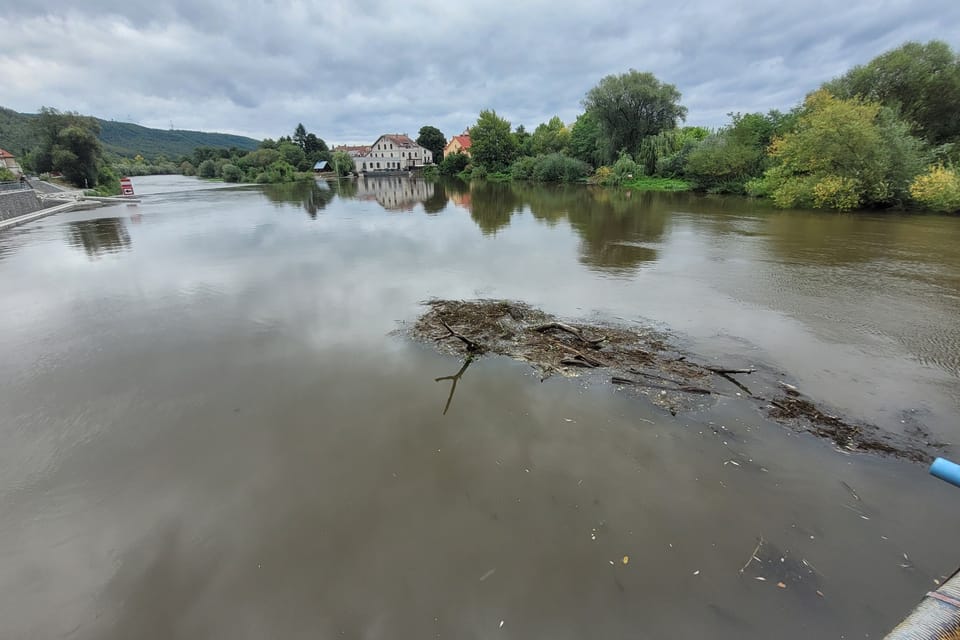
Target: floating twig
(753,556)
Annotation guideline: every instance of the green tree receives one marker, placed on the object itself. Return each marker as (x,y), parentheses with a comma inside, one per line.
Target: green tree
(207,169)
(291,153)
(433,140)
(300,136)
(586,141)
(231,173)
(922,81)
(315,148)
(843,154)
(550,137)
(68,144)
(342,163)
(493,146)
(522,138)
(631,106)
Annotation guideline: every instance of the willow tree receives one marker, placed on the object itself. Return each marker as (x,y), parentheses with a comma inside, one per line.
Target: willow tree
(631,106)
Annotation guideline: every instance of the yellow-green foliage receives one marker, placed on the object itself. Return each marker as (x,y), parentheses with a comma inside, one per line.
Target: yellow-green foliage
(938,188)
(842,154)
(836,192)
(603,175)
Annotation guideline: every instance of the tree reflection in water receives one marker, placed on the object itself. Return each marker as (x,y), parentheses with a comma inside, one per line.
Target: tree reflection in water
(99,237)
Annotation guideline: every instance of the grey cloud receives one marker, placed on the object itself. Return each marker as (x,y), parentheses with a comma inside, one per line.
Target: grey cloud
(350,70)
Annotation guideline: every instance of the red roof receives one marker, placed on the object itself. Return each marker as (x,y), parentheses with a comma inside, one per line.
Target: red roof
(360,150)
(464,140)
(399,139)
(5,154)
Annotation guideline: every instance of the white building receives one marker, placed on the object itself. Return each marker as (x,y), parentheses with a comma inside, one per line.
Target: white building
(393,152)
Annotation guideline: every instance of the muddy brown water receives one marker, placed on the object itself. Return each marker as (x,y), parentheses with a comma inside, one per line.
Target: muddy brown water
(211,429)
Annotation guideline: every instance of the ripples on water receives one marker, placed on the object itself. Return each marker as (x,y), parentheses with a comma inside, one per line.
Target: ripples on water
(209,431)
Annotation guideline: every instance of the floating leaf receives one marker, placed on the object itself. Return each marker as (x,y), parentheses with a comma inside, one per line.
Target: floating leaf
(626,559)
(781,585)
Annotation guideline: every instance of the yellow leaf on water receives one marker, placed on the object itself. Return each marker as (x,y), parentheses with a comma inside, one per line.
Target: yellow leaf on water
(626,559)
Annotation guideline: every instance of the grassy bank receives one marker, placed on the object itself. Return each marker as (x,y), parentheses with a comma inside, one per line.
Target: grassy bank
(648,183)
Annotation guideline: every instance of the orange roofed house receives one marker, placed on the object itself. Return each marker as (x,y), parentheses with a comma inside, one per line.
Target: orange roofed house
(458,144)
(8,161)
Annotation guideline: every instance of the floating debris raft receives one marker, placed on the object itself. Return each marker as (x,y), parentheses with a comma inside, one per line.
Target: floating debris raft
(643,361)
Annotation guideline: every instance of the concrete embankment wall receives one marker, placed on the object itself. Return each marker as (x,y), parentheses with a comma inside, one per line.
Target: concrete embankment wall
(14,204)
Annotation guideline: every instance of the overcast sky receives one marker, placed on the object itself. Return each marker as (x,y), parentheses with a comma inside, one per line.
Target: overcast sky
(350,70)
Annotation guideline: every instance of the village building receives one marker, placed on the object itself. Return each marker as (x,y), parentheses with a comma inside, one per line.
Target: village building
(9,162)
(392,152)
(458,144)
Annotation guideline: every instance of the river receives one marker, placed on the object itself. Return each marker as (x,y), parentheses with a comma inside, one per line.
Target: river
(212,429)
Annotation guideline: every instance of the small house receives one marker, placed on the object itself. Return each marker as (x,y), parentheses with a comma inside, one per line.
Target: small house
(322,166)
(9,162)
(458,144)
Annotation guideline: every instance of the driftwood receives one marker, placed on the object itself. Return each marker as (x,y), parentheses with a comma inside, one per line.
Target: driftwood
(684,388)
(578,361)
(654,376)
(472,346)
(574,331)
(590,360)
(725,371)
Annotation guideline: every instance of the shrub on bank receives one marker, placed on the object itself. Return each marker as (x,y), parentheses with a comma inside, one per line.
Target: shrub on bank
(938,189)
(231,173)
(554,167)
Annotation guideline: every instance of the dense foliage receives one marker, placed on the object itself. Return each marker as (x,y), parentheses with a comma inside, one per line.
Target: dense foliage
(68,145)
(842,154)
(632,106)
(493,146)
(454,164)
(433,140)
(938,189)
(286,159)
(123,139)
(554,167)
(920,81)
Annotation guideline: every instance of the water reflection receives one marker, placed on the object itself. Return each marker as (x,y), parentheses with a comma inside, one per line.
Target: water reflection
(617,228)
(313,196)
(99,237)
(396,193)
(492,205)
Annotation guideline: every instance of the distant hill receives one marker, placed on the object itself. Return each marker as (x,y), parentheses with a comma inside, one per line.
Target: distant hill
(122,138)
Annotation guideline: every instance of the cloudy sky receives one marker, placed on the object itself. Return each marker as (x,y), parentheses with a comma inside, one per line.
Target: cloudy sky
(351,69)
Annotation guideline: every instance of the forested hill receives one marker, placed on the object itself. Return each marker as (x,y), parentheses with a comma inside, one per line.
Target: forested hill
(123,138)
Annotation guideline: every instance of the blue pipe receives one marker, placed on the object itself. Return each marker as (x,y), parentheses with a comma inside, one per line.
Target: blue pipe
(946,471)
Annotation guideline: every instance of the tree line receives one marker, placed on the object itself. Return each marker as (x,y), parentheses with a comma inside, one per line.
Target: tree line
(885,134)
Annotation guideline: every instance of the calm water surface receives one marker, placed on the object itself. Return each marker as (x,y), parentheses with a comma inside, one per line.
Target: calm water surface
(210,431)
